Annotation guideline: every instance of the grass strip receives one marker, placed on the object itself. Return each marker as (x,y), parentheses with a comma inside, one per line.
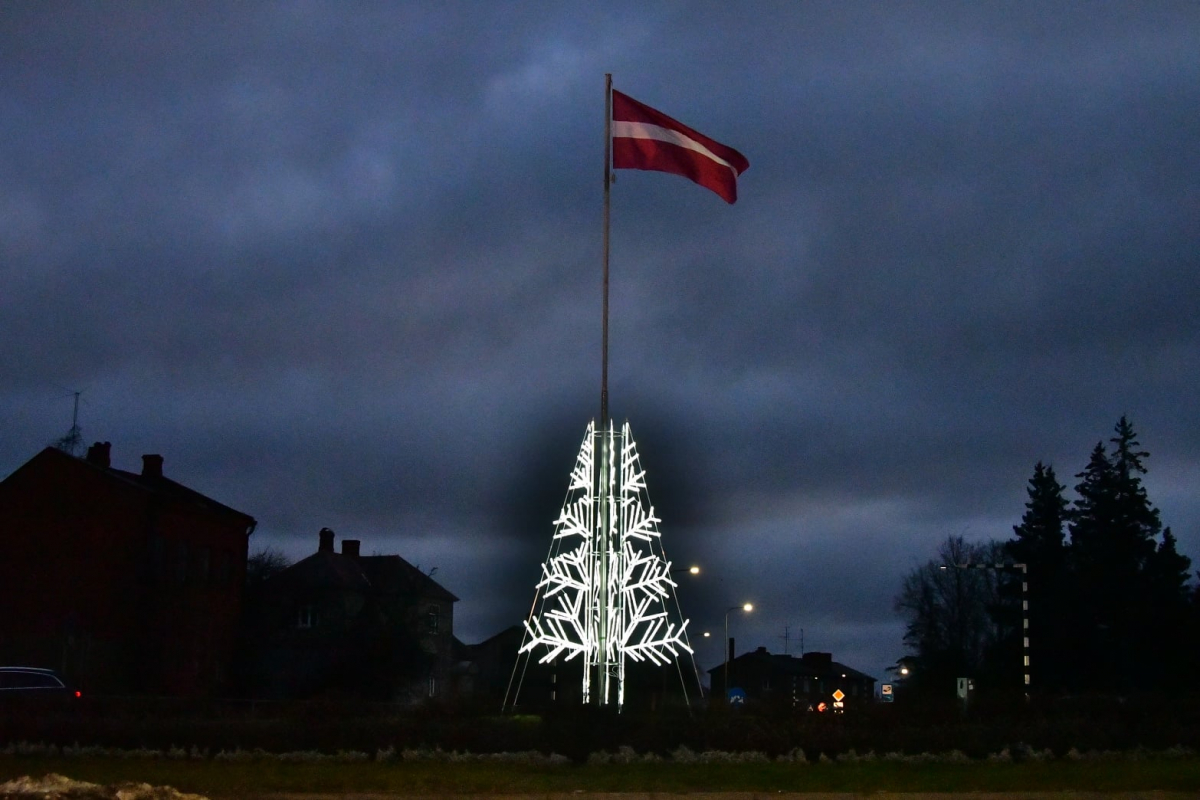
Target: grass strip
(246,779)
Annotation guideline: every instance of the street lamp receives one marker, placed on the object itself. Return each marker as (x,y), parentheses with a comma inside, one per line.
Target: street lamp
(747,607)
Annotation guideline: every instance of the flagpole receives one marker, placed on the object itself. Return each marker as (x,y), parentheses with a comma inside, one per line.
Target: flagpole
(604,488)
(607,185)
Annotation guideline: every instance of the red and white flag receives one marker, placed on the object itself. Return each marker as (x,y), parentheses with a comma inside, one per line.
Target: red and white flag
(643,138)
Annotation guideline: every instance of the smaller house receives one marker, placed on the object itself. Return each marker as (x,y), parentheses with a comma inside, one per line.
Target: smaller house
(341,623)
(802,682)
(499,675)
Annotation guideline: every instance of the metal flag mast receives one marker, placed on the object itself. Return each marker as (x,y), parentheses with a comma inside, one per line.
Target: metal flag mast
(607,195)
(606,583)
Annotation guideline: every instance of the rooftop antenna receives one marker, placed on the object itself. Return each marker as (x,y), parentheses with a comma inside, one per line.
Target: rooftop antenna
(73,442)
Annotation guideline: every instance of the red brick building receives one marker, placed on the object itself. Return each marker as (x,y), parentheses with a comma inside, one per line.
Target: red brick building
(127,582)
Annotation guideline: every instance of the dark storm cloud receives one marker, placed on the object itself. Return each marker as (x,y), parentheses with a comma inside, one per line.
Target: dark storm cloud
(339,263)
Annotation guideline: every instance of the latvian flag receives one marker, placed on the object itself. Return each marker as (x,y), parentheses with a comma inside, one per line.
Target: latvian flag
(647,139)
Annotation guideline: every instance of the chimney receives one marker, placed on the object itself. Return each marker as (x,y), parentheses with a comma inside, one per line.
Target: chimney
(350,547)
(326,545)
(152,466)
(98,454)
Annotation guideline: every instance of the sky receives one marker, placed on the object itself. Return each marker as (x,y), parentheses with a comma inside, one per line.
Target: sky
(340,264)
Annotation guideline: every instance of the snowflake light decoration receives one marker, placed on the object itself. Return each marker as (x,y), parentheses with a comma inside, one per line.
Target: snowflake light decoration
(604,592)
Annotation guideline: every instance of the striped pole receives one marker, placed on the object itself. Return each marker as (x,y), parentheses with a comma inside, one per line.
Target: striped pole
(1024,609)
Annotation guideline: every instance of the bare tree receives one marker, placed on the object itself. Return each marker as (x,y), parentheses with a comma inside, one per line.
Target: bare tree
(264,563)
(950,627)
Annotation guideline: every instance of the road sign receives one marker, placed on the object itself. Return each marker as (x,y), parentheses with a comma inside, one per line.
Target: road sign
(885,693)
(737,697)
(839,695)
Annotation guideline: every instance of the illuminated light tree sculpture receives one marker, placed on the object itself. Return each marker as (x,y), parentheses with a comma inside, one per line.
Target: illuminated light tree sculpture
(606,590)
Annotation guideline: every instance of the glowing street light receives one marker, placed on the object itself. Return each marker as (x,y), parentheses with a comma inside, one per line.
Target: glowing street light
(747,607)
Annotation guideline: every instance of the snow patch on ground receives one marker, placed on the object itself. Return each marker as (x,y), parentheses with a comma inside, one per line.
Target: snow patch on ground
(58,787)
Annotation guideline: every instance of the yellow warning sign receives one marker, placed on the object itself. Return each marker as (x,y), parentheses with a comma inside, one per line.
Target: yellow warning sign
(838,695)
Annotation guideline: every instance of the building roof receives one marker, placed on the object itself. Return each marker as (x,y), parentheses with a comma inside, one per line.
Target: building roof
(323,570)
(54,460)
(810,665)
(394,575)
(390,575)
(182,495)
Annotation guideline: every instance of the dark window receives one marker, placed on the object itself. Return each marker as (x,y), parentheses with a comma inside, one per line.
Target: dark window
(306,617)
(181,562)
(431,619)
(224,568)
(203,566)
(156,558)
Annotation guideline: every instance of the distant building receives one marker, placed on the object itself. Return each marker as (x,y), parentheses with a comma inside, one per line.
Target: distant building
(345,624)
(801,682)
(496,673)
(127,582)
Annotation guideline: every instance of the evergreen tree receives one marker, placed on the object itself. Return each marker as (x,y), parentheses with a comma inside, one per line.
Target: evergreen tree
(1129,588)
(1039,544)
(1170,630)
(1040,535)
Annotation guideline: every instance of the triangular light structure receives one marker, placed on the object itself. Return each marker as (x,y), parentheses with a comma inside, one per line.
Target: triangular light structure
(606,592)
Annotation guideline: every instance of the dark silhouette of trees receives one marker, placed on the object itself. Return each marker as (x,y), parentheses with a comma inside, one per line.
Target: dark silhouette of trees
(264,563)
(1130,588)
(1039,543)
(1110,606)
(950,626)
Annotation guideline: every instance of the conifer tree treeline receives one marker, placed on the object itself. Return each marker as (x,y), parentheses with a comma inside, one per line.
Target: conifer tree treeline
(1110,608)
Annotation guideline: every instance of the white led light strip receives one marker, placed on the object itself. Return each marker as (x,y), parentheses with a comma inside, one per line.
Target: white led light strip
(606,586)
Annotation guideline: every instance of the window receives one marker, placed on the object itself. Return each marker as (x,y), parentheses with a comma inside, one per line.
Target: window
(203,564)
(181,563)
(431,619)
(224,568)
(156,558)
(306,617)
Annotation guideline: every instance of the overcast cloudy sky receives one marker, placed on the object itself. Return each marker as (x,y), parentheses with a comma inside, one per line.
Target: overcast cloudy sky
(339,263)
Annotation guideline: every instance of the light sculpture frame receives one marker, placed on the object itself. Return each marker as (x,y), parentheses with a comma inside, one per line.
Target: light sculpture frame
(606,590)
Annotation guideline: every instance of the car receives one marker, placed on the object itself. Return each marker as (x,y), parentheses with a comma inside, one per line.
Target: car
(34,683)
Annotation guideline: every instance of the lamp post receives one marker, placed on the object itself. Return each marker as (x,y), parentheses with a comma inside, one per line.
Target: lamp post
(747,607)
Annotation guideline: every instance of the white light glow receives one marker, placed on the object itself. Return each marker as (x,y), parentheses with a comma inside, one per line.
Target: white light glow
(606,589)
